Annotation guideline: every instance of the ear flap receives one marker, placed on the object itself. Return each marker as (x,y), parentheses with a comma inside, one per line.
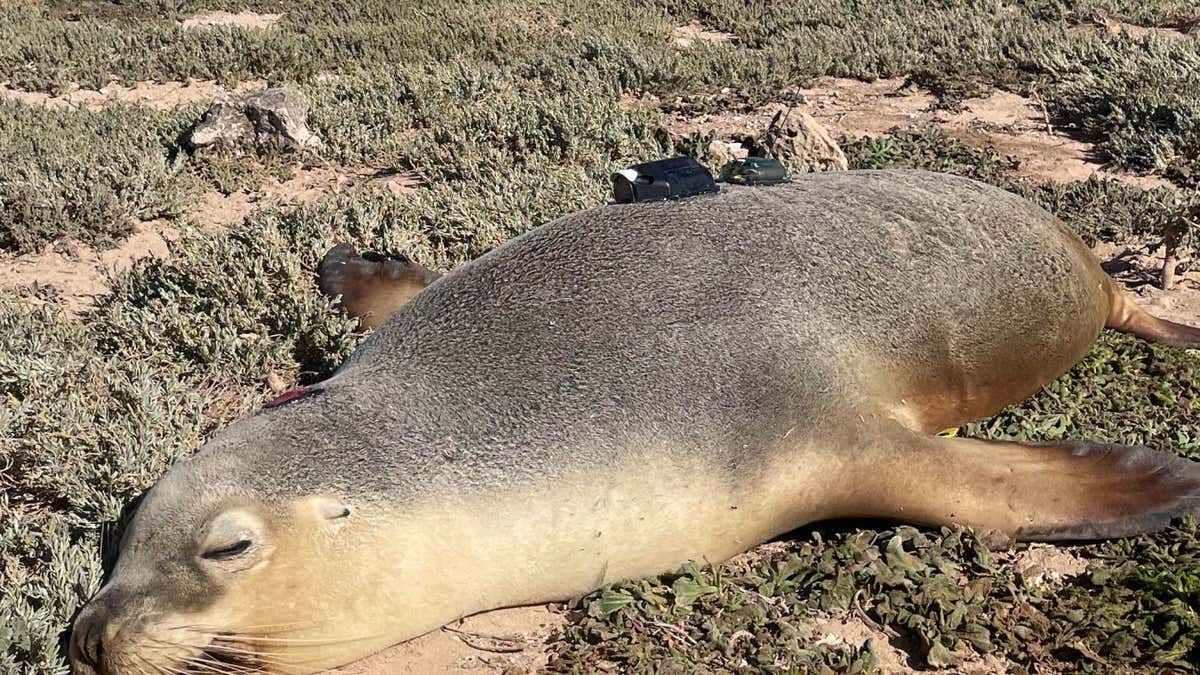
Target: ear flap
(330,512)
(371,286)
(332,509)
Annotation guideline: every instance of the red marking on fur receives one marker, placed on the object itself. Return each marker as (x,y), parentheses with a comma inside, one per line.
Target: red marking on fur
(289,395)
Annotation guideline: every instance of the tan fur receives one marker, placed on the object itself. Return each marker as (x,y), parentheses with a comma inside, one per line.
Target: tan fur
(390,575)
(1127,317)
(373,300)
(1020,489)
(370,287)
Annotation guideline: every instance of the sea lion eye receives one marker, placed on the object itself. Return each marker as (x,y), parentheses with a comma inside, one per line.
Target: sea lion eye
(235,535)
(227,552)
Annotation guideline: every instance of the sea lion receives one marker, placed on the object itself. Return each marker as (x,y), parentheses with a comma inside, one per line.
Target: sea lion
(626,389)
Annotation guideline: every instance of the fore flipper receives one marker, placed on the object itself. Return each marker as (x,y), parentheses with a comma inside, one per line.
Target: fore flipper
(1060,491)
(370,286)
(1127,317)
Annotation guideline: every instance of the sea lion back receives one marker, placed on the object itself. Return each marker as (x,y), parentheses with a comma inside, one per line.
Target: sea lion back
(792,285)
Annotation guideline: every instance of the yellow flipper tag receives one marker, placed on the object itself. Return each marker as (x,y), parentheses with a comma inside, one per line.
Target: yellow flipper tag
(949,433)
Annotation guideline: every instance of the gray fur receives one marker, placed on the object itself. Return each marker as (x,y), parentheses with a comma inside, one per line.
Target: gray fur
(715,322)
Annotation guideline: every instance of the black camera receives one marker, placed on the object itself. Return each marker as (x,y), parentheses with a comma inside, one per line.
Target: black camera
(672,178)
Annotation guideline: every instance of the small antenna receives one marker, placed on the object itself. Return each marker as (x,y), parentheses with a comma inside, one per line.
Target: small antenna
(769,134)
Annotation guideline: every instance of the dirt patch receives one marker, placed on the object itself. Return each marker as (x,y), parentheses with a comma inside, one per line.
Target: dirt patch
(248,20)
(1044,565)
(216,211)
(857,108)
(985,664)
(687,35)
(71,275)
(1139,271)
(854,632)
(1008,123)
(891,657)
(1110,26)
(506,641)
(532,20)
(157,95)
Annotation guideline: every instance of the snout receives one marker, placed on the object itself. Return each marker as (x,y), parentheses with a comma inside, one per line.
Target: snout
(92,633)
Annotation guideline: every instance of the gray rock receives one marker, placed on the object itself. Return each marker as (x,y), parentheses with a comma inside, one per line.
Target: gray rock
(274,116)
(804,145)
(223,123)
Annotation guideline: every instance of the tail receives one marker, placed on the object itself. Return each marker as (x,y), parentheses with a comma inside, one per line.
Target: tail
(1061,491)
(1127,317)
(371,286)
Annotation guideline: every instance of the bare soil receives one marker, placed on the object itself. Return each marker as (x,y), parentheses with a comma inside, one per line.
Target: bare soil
(249,20)
(157,95)
(1008,123)
(853,631)
(890,651)
(1139,270)
(687,35)
(1111,26)
(305,185)
(508,641)
(71,275)
(1045,565)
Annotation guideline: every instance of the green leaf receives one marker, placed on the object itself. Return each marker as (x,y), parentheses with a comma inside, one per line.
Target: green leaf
(612,601)
(688,590)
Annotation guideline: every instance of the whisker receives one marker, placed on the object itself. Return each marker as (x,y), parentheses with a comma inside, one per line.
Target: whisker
(258,656)
(263,628)
(138,667)
(271,659)
(215,666)
(198,661)
(284,663)
(167,670)
(295,641)
(161,668)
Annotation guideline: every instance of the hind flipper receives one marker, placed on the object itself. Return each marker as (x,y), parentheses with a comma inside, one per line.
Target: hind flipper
(1124,315)
(370,286)
(1060,491)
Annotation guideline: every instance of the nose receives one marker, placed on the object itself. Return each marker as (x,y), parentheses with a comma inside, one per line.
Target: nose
(88,638)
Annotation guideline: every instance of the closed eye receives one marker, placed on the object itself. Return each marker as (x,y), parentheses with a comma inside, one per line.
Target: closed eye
(227,552)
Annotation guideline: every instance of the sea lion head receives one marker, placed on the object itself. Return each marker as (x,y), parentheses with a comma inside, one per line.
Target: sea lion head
(218,574)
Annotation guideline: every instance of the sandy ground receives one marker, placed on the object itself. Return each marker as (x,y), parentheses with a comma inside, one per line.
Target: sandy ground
(72,275)
(508,641)
(1111,26)
(687,35)
(1138,270)
(157,95)
(1008,123)
(513,641)
(248,20)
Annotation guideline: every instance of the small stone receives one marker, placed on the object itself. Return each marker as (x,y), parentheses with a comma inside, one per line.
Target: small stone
(722,152)
(280,114)
(275,382)
(274,115)
(805,145)
(223,123)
